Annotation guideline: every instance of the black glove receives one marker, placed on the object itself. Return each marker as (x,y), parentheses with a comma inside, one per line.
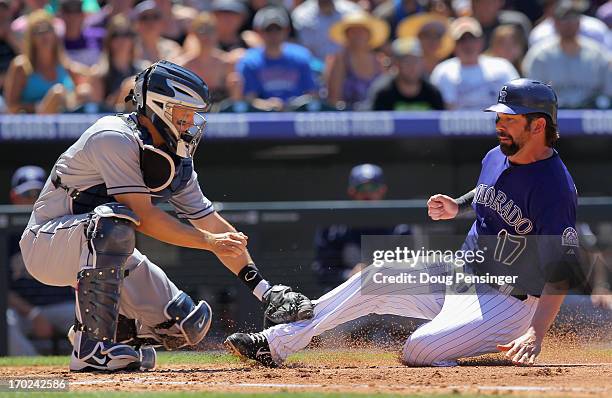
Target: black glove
(284,305)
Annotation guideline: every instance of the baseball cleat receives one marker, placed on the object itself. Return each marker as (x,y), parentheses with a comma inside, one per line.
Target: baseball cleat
(95,355)
(252,346)
(148,355)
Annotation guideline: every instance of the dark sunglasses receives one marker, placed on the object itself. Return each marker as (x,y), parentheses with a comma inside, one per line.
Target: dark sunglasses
(31,194)
(368,187)
(42,29)
(205,30)
(431,35)
(115,35)
(149,17)
(273,28)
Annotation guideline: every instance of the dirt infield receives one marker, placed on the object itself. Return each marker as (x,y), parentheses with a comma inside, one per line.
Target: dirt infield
(565,369)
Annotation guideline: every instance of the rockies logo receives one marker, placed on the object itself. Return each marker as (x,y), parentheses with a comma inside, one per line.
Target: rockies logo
(502,95)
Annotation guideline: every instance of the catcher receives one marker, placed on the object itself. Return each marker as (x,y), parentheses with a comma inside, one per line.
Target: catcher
(104,188)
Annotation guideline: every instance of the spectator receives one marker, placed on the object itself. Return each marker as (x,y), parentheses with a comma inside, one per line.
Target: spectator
(394,11)
(579,68)
(8,44)
(20,24)
(338,247)
(117,63)
(352,70)
(38,81)
(175,20)
(507,42)
(252,38)
(82,44)
(589,27)
(470,80)
(490,15)
(110,10)
(313,19)
(209,62)
(434,38)
(230,15)
(405,89)
(151,46)
(35,310)
(279,71)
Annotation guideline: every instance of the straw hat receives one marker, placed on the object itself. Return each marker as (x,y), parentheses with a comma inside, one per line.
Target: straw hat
(379,29)
(410,27)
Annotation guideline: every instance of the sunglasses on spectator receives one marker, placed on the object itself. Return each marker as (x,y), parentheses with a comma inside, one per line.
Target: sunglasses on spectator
(569,17)
(122,34)
(31,194)
(149,17)
(368,187)
(42,29)
(273,28)
(430,34)
(205,30)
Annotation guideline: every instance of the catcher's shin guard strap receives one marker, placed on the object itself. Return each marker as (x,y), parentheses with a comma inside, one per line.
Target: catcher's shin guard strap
(98,301)
(192,320)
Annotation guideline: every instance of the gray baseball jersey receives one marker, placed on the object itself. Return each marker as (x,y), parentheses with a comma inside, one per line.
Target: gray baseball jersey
(54,246)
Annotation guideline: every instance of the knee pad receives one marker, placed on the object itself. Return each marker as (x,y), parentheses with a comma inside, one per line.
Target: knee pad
(193,322)
(111,234)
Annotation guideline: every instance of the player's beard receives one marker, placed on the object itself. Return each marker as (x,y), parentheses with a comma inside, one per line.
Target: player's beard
(508,149)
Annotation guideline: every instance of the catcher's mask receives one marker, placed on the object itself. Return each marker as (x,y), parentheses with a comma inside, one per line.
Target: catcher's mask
(174,99)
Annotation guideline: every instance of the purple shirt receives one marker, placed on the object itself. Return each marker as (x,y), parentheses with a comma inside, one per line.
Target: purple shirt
(87,48)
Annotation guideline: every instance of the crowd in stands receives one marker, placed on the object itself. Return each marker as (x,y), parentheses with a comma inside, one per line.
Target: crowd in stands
(305,55)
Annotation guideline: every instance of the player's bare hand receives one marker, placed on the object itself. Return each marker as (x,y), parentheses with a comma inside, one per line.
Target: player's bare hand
(523,350)
(229,244)
(442,207)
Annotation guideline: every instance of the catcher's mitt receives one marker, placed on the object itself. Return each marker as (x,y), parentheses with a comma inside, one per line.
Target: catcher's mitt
(283,305)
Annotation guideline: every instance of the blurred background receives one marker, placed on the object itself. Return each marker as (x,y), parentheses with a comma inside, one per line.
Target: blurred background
(320,108)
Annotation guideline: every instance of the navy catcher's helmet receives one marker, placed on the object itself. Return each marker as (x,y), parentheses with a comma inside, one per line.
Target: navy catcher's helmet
(522,96)
(165,92)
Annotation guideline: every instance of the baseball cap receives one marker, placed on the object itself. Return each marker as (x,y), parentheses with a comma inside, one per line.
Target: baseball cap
(366,173)
(28,178)
(406,46)
(565,8)
(463,25)
(141,8)
(235,6)
(523,96)
(270,16)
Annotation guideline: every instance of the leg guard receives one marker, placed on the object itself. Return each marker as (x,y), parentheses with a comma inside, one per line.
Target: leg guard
(111,238)
(192,321)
